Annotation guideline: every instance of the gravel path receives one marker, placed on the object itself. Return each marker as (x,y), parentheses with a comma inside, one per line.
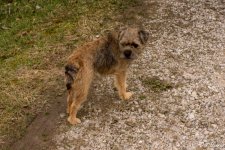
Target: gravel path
(187,51)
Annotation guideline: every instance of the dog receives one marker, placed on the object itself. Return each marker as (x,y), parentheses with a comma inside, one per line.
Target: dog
(108,55)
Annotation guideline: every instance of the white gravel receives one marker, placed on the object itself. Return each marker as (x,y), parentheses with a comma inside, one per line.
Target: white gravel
(186,49)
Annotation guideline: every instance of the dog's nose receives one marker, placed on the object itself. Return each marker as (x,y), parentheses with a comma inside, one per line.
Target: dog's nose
(127,53)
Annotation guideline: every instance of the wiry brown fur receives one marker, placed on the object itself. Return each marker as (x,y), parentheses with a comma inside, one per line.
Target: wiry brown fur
(105,56)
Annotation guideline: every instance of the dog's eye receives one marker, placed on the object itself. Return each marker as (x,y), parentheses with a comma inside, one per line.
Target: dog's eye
(123,44)
(134,45)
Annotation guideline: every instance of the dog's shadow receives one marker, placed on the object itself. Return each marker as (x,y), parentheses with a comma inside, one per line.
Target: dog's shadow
(102,99)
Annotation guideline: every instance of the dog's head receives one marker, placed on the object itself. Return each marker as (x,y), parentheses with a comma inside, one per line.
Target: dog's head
(131,42)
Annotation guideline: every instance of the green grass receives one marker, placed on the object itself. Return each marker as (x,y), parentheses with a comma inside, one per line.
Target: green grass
(142,97)
(157,85)
(36,36)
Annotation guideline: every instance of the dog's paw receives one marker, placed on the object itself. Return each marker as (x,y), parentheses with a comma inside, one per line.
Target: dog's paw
(73,120)
(127,95)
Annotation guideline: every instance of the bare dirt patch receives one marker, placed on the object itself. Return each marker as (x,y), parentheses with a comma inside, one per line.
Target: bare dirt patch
(39,133)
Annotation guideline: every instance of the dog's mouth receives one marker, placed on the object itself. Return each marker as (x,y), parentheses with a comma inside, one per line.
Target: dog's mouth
(126,57)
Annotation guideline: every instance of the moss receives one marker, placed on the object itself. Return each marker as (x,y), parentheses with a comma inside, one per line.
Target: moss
(142,97)
(157,85)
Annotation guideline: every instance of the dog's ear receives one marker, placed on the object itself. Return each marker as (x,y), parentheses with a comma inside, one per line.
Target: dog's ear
(112,36)
(143,36)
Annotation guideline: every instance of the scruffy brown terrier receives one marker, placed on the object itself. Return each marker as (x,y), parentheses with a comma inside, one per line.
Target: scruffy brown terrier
(111,54)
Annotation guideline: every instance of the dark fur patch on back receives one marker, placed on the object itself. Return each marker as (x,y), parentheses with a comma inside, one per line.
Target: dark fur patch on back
(70,72)
(105,58)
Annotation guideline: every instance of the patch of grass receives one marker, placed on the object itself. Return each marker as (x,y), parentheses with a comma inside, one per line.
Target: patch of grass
(46,113)
(157,85)
(36,38)
(142,97)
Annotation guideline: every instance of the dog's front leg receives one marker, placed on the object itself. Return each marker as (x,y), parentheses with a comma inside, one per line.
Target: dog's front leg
(120,82)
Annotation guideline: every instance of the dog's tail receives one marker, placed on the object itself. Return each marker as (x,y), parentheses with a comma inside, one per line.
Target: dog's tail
(70,73)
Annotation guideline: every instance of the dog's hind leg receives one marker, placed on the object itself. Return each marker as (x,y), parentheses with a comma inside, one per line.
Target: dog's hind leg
(70,76)
(79,93)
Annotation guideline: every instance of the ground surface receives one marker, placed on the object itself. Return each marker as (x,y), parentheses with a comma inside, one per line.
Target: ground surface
(179,85)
